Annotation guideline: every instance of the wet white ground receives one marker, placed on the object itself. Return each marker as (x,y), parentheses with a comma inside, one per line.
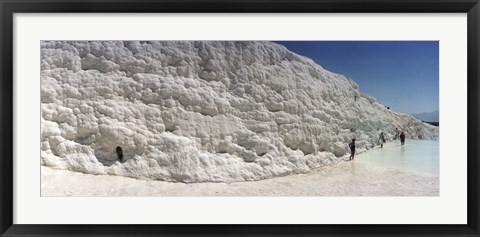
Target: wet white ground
(394,170)
(415,155)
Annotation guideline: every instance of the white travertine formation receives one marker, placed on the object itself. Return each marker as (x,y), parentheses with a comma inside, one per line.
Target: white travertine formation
(197,111)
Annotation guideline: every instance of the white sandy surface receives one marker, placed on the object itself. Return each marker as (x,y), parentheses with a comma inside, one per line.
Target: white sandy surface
(360,177)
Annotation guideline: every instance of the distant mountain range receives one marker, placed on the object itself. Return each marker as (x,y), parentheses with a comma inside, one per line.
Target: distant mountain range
(428,116)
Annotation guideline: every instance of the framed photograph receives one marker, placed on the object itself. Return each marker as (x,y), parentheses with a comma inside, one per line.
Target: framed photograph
(246,118)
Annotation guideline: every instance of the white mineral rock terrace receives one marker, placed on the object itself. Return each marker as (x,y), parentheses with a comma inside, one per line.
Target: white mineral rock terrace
(197,111)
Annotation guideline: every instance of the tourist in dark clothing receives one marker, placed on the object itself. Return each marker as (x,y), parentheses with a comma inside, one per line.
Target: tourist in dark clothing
(352,149)
(402,138)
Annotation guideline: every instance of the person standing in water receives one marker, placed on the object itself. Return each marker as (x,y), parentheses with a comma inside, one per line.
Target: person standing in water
(402,138)
(381,139)
(352,149)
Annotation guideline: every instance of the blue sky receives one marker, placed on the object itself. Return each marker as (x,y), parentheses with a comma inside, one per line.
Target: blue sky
(400,74)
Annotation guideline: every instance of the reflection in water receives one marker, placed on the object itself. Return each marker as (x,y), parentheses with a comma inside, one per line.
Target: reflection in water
(352,169)
(402,156)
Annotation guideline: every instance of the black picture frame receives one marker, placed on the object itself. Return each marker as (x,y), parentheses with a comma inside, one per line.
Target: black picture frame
(9,7)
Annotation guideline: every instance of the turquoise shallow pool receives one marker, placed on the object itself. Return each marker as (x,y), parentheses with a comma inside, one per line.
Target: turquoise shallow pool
(416,155)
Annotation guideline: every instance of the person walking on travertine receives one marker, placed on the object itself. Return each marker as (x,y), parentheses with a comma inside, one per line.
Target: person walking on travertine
(381,139)
(352,149)
(402,138)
